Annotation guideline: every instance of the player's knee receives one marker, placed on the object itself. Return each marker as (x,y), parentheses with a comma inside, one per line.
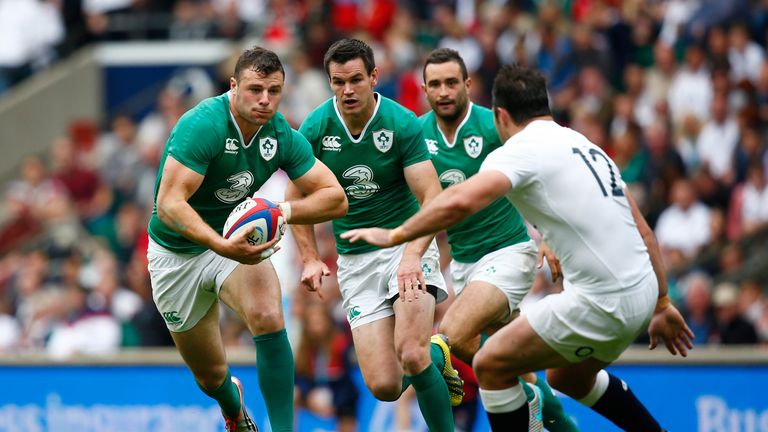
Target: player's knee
(414,357)
(211,377)
(385,389)
(264,320)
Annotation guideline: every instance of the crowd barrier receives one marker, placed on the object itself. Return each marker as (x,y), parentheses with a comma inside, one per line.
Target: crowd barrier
(714,390)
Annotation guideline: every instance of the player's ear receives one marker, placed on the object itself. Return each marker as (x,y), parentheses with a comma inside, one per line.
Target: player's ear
(468,82)
(233,85)
(374,76)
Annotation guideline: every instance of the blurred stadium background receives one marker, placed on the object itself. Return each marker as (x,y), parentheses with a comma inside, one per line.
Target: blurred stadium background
(676,91)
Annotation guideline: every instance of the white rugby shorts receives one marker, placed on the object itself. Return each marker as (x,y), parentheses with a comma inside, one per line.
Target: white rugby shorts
(369,280)
(510,269)
(185,286)
(580,326)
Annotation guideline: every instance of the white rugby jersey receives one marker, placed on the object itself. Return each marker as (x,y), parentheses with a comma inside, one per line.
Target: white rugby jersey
(573,193)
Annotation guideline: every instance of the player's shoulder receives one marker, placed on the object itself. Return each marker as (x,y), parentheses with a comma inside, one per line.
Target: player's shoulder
(391,110)
(319,116)
(209,118)
(427,118)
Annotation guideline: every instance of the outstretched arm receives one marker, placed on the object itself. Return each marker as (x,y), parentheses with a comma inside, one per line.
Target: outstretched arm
(448,208)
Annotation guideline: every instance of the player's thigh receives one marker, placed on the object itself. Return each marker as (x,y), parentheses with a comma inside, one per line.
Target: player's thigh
(514,350)
(253,292)
(375,352)
(480,305)
(202,348)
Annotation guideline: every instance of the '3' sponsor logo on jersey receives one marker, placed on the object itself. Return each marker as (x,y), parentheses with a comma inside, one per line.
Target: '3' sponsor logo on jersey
(362,185)
(240,185)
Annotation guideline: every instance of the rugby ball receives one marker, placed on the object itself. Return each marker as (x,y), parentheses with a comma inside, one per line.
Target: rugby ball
(262,217)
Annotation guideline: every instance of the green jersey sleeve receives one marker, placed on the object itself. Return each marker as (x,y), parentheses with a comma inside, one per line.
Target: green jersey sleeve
(310,131)
(299,158)
(413,147)
(194,143)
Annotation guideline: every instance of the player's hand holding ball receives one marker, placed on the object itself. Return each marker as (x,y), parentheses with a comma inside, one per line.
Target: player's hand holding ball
(253,229)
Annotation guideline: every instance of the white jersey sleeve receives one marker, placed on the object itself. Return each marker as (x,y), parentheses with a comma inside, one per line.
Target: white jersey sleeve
(572,192)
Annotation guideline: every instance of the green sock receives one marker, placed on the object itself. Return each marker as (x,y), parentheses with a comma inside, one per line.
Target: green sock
(226,395)
(555,418)
(436,354)
(274,364)
(434,400)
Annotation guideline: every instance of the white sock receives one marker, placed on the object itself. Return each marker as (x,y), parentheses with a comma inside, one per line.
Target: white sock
(601,385)
(501,401)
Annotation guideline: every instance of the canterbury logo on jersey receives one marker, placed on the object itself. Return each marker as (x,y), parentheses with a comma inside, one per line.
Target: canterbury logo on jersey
(172,317)
(431,146)
(331,143)
(230,146)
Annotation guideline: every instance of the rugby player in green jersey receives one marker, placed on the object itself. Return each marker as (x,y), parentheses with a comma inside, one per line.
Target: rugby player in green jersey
(494,259)
(220,152)
(375,148)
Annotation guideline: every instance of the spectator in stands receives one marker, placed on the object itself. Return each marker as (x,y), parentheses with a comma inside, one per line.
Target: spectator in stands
(690,93)
(717,141)
(744,55)
(697,308)
(29,31)
(685,225)
(730,325)
(753,200)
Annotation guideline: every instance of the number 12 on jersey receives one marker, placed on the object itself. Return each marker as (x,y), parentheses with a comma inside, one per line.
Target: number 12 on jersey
(615,189)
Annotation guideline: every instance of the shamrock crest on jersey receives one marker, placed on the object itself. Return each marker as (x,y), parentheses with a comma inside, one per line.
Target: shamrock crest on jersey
(473,145)
(383,139)
(268,147)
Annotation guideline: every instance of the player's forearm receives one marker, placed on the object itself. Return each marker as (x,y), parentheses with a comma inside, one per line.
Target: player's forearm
(656,262)
(445,210)
(304,235)
(321,205)
(182,218)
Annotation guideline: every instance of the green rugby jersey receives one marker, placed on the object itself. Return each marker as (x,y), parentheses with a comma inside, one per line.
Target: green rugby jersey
(208,141)
(369,167)
(496,226)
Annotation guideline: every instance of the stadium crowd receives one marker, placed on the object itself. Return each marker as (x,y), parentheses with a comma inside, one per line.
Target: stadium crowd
(676,92)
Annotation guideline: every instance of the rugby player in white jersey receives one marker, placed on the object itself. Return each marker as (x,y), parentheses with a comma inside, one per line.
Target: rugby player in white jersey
(614,281)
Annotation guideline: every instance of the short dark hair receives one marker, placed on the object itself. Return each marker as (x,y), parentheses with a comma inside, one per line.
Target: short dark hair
(445,55)
(261,60)
(345,50)
(521,91)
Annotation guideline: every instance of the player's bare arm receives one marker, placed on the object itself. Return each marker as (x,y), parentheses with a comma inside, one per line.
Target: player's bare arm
(304,235)
(422,180)
(447,209)
(667,322)
(177,185)
(316,197)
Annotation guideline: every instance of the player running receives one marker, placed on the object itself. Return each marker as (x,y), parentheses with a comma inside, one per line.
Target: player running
(376,149)
(219,153)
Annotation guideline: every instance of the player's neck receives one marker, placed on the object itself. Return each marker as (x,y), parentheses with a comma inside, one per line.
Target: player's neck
(247,129)
(449,127)
(356,122)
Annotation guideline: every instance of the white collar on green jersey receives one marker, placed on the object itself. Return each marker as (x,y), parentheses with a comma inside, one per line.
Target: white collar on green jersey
(458,129)
(370,120)
(239,132)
